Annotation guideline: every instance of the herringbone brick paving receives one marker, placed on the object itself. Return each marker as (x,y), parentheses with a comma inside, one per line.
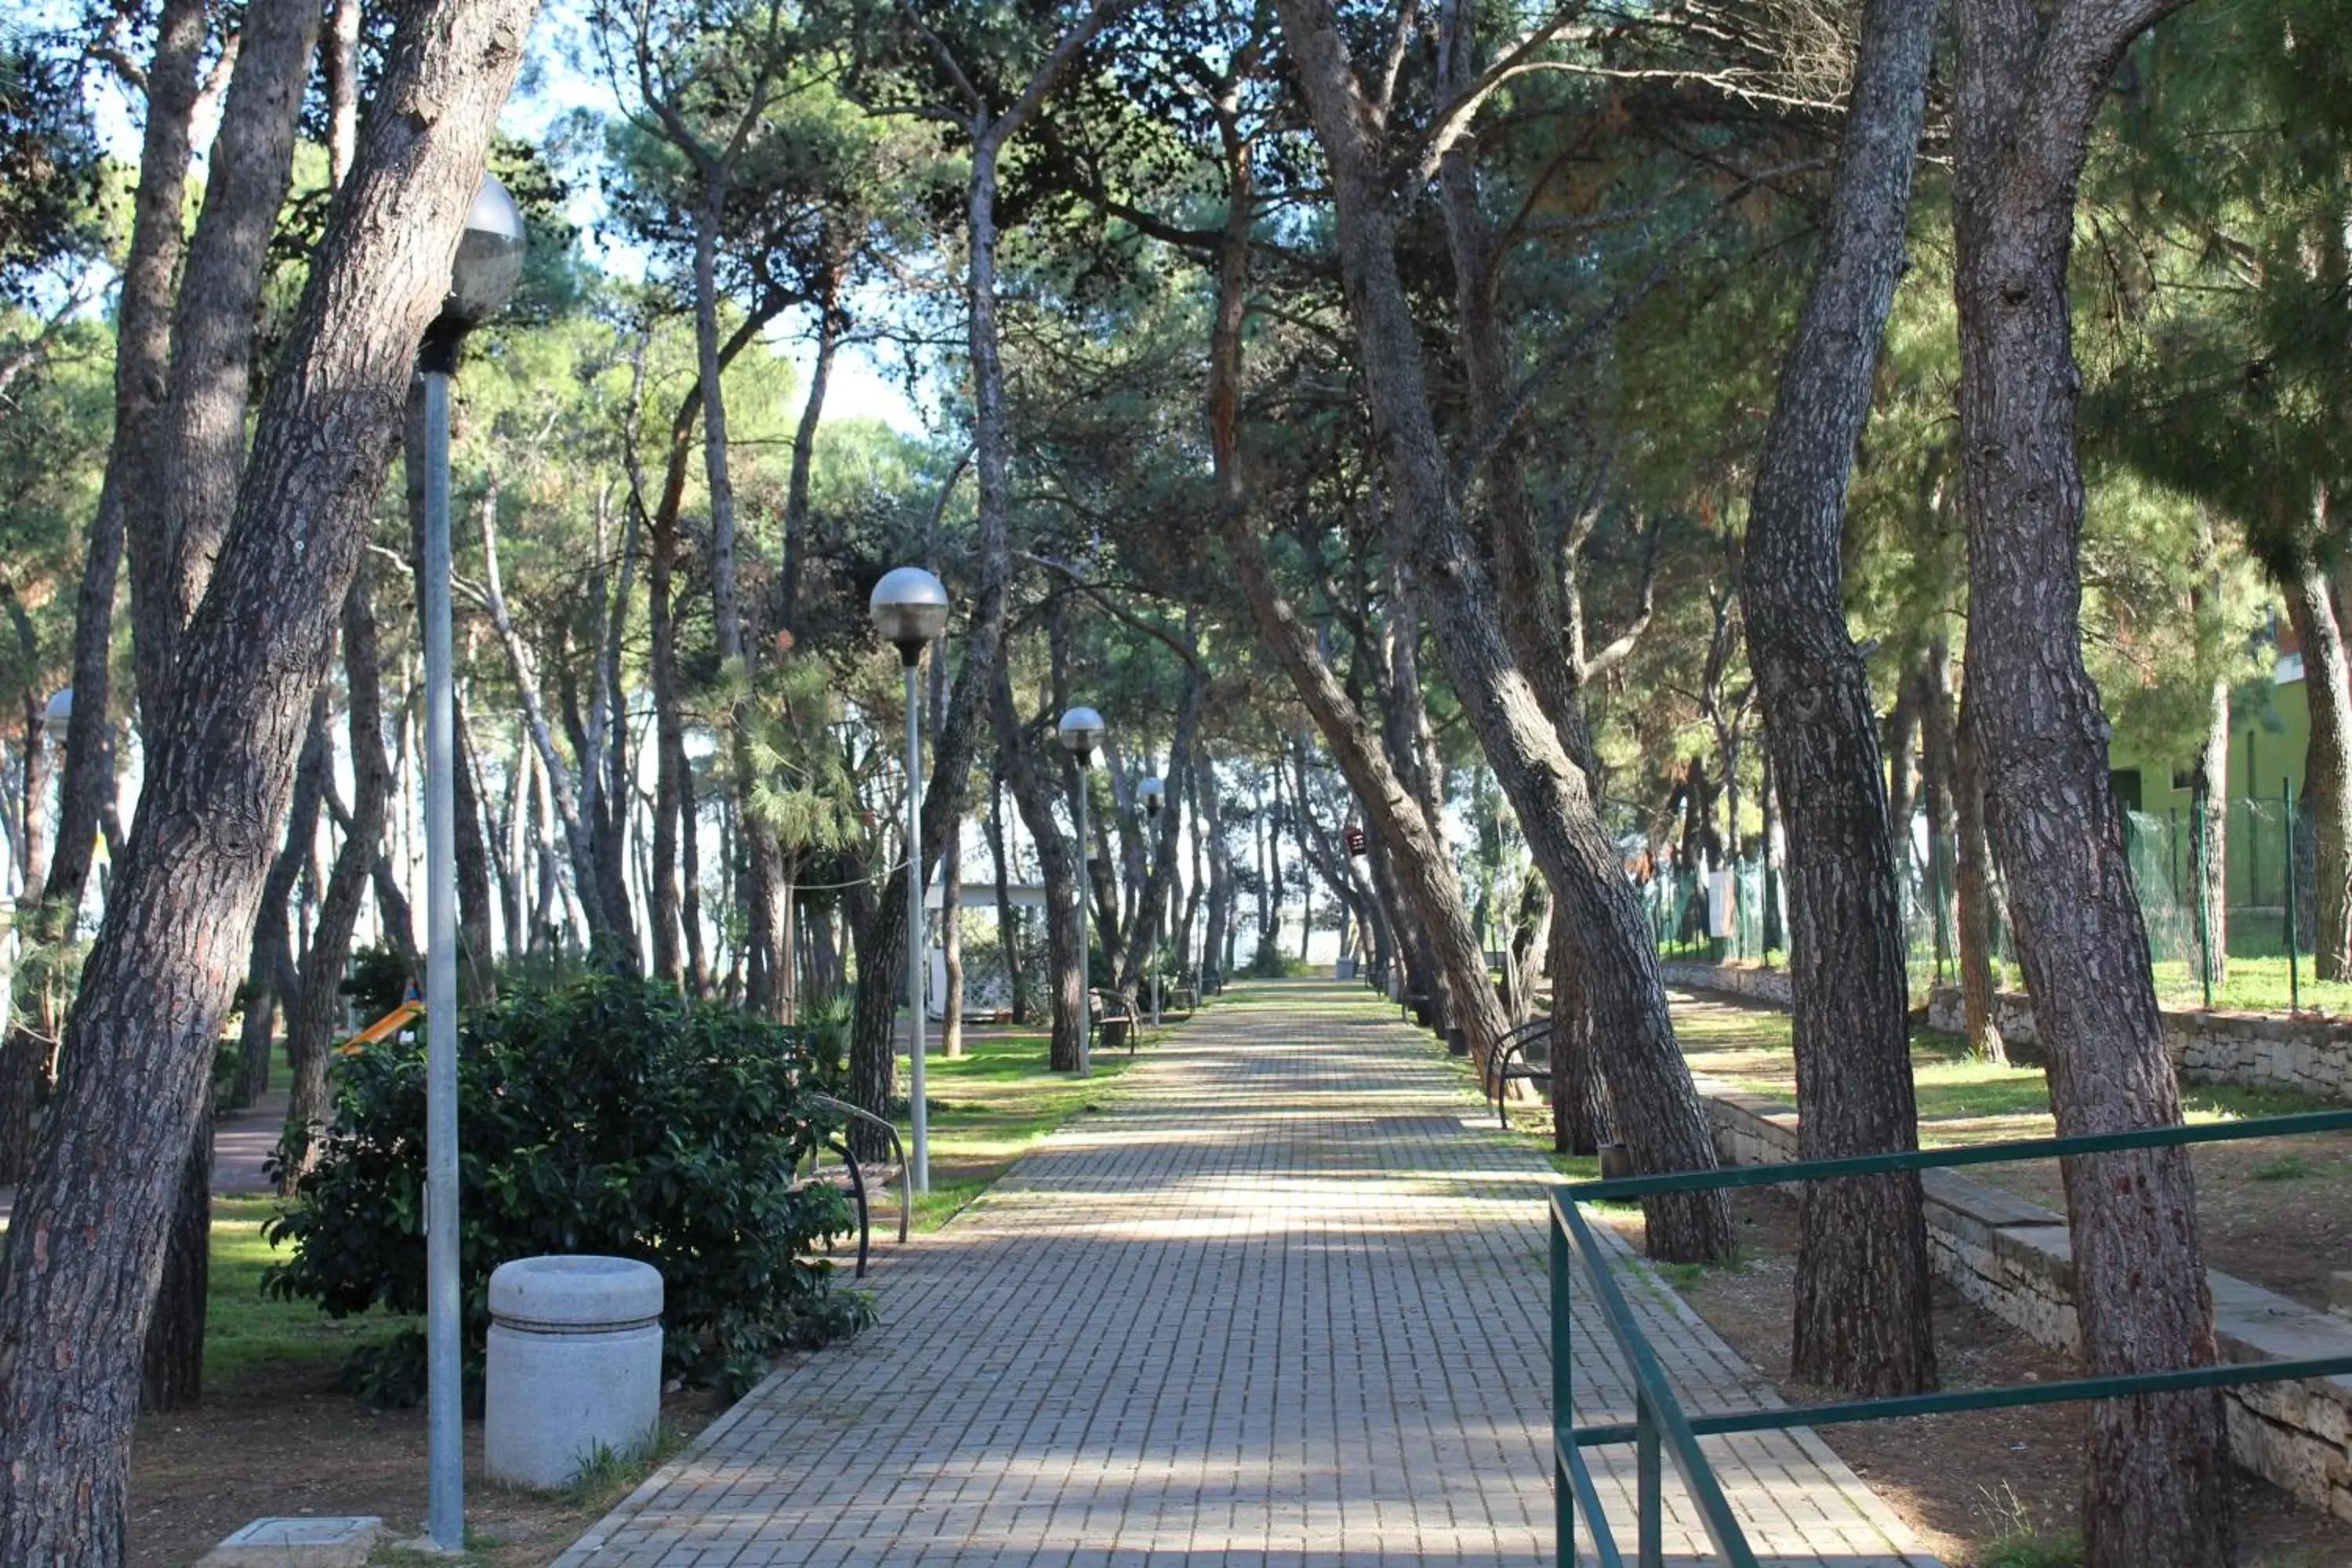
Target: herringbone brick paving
(1281,1301)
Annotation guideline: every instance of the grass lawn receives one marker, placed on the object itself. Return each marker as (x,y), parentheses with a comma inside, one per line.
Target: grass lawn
(989,1105)
(245,1330)
(2254,985)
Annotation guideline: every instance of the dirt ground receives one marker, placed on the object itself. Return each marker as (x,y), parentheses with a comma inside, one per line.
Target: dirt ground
(289,1442)
(2275,1211)
(1972,1484)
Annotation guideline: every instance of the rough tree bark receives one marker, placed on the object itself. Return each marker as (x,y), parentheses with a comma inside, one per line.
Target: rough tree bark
(272,982)
(173,531)
(2326,803)
(1033,794)
(1665,1127)
(2030,80)
(142,377)
(2209,789)
(1008,926)
(1976,907)
(88,1235)
(1863,1320)
(311,1032)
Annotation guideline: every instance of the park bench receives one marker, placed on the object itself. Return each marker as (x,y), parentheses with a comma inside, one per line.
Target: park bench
(860,1178)
(1108,1011)
(1180,998)
(1524,1055)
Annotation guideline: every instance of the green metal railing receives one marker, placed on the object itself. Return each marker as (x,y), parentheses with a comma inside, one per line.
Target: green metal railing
(1661,1430)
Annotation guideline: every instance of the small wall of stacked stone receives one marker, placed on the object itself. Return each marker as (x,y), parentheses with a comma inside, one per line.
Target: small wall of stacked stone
(2254,1049)
(1733,979)
(2013,1258)
(2251,1049)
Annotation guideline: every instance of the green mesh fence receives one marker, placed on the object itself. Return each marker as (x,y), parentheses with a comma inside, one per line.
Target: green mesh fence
(2266,854)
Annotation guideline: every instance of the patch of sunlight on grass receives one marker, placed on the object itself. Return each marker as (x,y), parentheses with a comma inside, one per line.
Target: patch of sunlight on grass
(244,1330)
(991,1105)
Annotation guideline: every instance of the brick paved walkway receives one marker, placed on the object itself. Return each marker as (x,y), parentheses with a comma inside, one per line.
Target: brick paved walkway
(1281,1303)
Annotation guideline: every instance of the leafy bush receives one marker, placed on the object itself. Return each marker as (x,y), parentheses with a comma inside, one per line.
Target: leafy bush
(600,1117)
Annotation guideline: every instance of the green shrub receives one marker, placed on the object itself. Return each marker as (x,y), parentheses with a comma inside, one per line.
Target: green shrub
(600,1117)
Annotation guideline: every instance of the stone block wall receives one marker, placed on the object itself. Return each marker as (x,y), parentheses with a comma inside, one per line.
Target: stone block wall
(2252,1049)
(1733,979)
(2013,1258)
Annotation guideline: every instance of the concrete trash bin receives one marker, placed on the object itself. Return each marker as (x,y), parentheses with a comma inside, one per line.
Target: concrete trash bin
(575,1353)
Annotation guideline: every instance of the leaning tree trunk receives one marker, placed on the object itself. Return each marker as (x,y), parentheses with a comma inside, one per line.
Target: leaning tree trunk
(1978,986)
(1862,1322)
(1665,1127)
(951,946)
(1580,1099)
(310,1039)
(87,1235)
(271,981)
(2029,86)
(2327,770)
(1008,930)
(2211,806)
(172,1362)
(1065,967)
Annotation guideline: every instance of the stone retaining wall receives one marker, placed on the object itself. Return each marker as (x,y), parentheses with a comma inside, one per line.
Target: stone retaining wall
(1755,984)
(2013,1258)
(2251,1049)
(2254,1049)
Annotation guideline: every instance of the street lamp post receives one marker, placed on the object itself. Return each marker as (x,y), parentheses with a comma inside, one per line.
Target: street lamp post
(488,266)
(910,608)
(1155,795)
(1081,732)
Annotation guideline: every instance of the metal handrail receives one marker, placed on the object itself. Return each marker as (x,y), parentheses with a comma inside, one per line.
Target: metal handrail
(1658,1415)
(857,1173)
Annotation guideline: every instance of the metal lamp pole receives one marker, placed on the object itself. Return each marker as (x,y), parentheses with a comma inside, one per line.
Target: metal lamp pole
(910,608)
(1081,731)
(488,266)
(1155,795)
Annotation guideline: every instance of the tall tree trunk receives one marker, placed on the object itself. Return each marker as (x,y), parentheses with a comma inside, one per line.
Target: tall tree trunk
(1863,1319)
(951,945)
(310,1036)
(1978,987)
(1862,1311)
(2209,785)
(1902,753)
(872,1057)
(271,980)
(1008,926)
(2211,805)
(1579,1098)
(88,1232)
(1666,1128)
(174,529)
(477,940)
(1216,917)
(1939,786)
(143,345)
(580,847)
(171,1361)
(669,753)
(1065,961)
(2326,769)
(2029,86)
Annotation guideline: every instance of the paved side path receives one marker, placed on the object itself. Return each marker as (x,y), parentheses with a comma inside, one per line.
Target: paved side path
(1281,1303)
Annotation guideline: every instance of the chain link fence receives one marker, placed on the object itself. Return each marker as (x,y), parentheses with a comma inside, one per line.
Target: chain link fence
(1738,913)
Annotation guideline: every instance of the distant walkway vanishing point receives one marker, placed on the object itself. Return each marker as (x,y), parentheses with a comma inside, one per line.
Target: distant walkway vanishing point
(1282,1302)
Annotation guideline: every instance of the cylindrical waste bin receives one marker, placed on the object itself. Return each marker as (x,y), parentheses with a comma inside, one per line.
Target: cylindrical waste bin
(575,1355)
